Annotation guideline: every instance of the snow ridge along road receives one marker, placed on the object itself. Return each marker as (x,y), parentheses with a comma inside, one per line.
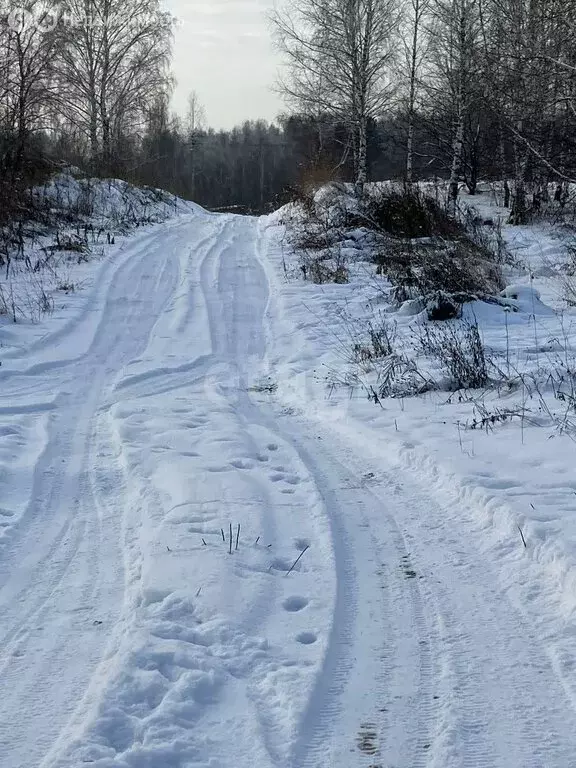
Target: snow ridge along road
(131,637)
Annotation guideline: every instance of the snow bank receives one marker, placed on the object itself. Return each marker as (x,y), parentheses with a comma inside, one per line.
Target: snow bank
(81,225)
(112,200)
(506,454)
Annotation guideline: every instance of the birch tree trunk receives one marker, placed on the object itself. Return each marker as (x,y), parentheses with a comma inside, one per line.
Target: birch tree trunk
(362,169)
(419,8)
(457,154)
(462,52)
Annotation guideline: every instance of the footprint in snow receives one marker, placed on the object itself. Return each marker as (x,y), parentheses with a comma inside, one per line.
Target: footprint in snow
(241,464)
(307,638)
(295,603)
(280,564)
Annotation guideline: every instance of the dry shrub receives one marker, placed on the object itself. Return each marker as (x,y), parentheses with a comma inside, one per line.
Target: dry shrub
(409,214)
(314,235)
(320,270)
(459,351)
(453,267)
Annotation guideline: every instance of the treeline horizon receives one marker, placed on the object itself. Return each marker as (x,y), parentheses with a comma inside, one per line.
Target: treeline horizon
(375,89)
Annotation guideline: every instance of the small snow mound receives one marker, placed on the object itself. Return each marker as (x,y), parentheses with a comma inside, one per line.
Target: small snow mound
(412,307)
(328,193)
(526,299)
(520,293)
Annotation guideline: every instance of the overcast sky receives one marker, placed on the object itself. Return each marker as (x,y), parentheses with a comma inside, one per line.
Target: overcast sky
(223,51)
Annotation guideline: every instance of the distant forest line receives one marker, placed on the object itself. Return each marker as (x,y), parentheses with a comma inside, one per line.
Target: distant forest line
(375,89)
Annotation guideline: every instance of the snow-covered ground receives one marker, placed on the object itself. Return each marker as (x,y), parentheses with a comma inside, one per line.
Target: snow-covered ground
(178,410)
(77,222)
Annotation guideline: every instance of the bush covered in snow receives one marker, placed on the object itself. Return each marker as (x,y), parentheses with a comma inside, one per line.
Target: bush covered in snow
(64,222)
(438,307)
(407,214)
(415,244)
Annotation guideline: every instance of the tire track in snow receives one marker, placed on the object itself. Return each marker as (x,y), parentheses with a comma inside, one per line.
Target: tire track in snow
(108,490)
(354,683)
(400,732)
(236,343)
(236,297)
(39,580)
(326,700)
(143,493)
(109,274)
(496,702)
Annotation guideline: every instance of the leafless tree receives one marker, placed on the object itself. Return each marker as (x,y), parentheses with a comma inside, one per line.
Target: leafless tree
(27,48)
(530,49)
(196,114)
(339,55)
(454,66)
(415,52)
(114,61)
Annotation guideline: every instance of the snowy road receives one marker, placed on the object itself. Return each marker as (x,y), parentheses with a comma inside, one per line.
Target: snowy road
(130,636)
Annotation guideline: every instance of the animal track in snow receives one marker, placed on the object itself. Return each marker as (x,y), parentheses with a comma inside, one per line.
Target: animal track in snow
(241,464)
(280,475)
(280,564)
(295,603)
(307,638)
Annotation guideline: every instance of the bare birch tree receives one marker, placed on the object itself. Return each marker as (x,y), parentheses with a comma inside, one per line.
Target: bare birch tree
(27,46)
(195,122)
(115,56)
(339,55)
(456,36)
(415,50)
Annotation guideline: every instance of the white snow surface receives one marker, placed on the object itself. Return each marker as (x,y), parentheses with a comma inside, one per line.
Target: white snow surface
(182,392)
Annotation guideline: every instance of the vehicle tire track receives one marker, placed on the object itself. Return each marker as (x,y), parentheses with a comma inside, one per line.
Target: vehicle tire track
(57,553)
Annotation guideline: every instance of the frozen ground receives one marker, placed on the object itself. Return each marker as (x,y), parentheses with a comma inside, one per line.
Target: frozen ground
(183,393)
